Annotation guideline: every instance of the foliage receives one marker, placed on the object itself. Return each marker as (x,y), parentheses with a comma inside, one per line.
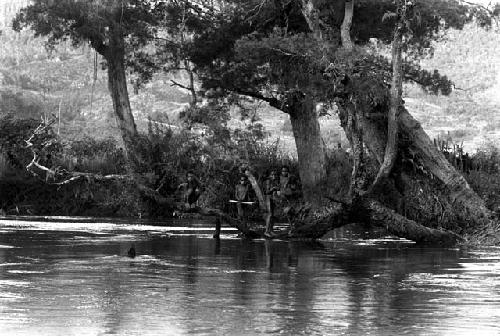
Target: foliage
(93,156)
(484,174)
(269,54)
(487,186)
(88,21)
(427,21)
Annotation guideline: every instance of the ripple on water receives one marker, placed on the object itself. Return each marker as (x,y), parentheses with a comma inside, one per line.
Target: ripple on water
(25,272)
(17,283)
(10,297)
(14,264)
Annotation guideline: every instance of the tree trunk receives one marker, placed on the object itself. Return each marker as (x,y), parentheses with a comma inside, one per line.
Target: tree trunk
(345,28)
(117,85)
(391,147)
(400,226)
(311,15)
(436,176)
(458,190)
(310,148)
(350,121)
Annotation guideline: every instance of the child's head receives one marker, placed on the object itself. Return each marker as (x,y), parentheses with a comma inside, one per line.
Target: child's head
(285,171)
(273,174)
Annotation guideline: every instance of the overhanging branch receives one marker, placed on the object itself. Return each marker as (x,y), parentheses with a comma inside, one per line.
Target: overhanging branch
(270,100)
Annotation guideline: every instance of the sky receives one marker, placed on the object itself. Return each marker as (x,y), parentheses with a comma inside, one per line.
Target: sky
(485,2)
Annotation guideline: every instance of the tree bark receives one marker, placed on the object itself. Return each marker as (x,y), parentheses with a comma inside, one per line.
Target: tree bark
(311,15)
(391,147)
(459,191)
(400,226)
(117,85)
(310,148)
(345,28)
(351,122)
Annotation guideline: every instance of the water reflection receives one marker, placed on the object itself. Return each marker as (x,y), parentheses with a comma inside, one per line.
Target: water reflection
(64,281)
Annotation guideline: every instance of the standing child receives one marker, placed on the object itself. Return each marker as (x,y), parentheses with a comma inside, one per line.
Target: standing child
(271,196)
(241,195)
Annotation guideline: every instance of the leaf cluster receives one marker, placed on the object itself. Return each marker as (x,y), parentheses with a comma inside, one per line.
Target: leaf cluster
(267,57)
(84,21)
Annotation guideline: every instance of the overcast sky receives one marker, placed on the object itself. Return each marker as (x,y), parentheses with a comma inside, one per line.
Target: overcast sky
(485,2)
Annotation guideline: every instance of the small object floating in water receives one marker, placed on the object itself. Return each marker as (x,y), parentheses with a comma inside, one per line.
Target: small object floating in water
(131,253)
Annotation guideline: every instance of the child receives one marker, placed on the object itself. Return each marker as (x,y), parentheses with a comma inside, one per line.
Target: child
(241,195)
(271,195)
(191,190)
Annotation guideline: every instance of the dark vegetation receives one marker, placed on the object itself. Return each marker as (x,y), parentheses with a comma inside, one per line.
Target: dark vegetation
(166,156)
(293,55)
(169,156)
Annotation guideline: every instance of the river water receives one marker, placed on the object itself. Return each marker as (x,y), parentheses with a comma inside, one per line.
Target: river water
(76,279)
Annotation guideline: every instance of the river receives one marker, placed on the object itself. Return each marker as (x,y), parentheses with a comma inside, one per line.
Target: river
(61,278)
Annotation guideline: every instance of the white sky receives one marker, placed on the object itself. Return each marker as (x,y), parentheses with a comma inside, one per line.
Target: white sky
(485,2)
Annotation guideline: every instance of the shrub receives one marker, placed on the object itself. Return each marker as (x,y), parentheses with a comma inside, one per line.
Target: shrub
(94,156)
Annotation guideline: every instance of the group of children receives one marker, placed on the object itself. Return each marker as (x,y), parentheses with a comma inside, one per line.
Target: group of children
(278,191)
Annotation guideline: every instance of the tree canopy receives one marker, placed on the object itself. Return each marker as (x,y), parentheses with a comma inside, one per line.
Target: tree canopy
(90,21)
(265,48)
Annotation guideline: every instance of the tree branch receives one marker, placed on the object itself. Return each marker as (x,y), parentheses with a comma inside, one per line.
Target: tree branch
(257,190)
(270,100)
(391,148)
(182,86)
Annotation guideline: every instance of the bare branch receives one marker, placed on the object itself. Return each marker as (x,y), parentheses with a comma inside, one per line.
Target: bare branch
(270,100)
(182,86)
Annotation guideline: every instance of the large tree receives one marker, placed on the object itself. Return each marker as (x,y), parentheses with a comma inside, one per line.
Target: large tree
(240,53)
(112,27)
(295,54)
(379,131)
